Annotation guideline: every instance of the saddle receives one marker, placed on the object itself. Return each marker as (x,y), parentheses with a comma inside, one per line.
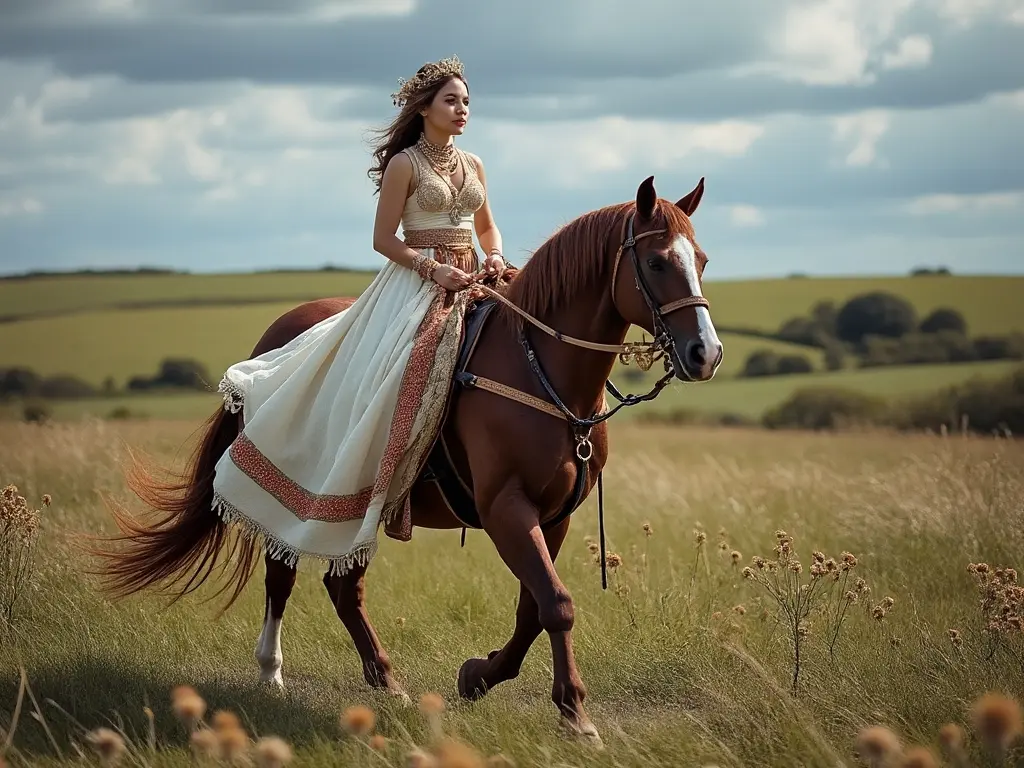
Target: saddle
(439,468)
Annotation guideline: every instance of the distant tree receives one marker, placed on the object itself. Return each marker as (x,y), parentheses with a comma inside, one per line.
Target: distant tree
(875,314)
(18,382)
(184,373)
(761,362)
(944,319)
(65,387)
(789,364)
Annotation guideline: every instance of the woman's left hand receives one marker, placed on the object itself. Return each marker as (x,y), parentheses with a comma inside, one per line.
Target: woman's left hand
(493,265)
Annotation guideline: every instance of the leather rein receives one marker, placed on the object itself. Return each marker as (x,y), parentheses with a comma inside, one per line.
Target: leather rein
(643,353)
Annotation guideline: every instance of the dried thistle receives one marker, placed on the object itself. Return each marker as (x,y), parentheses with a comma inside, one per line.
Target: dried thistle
(358,720)
(799,596)
(108,745)
(205,744)
(953,740)
(273,752)
(19,537)
(919,757)
(876,745)
(188,706)
(379,744)
(997,721)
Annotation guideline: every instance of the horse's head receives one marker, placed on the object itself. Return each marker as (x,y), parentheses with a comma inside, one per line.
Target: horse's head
(657,278)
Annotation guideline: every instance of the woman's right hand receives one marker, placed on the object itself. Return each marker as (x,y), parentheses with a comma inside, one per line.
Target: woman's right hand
(452,278)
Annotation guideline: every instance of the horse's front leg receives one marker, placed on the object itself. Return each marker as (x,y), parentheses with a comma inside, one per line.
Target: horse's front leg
(512,522)
(477,676)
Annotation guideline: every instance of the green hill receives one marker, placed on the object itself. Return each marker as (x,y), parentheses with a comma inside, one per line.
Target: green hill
(990,304)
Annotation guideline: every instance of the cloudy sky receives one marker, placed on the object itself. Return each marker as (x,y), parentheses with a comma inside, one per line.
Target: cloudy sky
(836,136)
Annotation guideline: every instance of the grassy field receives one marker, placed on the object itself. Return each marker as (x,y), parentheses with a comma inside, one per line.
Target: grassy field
(684,659)
(990,304)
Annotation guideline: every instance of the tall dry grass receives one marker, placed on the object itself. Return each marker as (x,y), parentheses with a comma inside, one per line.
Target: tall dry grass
(686,661)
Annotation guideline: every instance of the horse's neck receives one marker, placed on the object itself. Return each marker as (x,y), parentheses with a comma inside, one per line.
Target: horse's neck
(578,375)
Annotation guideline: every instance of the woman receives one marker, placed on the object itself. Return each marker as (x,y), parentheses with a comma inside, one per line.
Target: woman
(338,423)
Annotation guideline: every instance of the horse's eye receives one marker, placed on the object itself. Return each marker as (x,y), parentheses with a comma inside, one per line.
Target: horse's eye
(655,264)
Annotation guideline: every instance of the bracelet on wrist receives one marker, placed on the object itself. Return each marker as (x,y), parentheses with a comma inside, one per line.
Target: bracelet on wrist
(424,266)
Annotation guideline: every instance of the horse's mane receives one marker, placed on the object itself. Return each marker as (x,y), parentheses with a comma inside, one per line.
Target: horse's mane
(574,258)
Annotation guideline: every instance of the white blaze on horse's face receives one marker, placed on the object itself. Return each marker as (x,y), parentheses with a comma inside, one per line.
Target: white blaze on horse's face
(706,354)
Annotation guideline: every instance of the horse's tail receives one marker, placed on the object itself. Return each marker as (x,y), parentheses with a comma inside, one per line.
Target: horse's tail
(184,543)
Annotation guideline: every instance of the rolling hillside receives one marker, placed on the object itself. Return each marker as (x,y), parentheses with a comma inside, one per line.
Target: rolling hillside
(100,327)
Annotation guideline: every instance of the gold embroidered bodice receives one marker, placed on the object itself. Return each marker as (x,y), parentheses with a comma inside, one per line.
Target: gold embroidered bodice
(432,205)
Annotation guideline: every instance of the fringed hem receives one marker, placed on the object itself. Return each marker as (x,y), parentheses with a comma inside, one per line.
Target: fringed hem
(234,397)
(279,550)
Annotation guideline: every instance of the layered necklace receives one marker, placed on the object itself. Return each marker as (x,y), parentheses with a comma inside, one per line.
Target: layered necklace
(444,159)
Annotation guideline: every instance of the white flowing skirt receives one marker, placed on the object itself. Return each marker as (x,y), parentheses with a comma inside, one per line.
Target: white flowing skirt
(338,422)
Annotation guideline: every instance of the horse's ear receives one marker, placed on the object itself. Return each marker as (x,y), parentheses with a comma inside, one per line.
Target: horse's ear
(689,203)
(646,199)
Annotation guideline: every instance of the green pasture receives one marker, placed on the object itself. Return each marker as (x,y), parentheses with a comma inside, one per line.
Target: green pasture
(686,662)
(126,343)
(744,397)
(990,304)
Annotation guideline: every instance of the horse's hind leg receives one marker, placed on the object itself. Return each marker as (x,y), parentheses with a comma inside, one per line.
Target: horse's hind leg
(280,580)
(477,676)
(347,594)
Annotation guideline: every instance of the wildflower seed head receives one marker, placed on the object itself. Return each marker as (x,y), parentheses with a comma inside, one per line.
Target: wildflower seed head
(723,546)
(888,602)
(803,629)
(952,738)
(758,561)
(740,609)
(234,745)
(108,745)
(848,559)
(613,560)
(748,572)
(358,720)
(648,531)
(272,752)
(796,567)
(982,568)
(431,704)
(876,744)
(818,557)
(919,757)
(225,720)
(736,556)
(997,720)
(831,566)
(189,707)
(700,537)
(878,613)
(593,548)
(851,596)
(205,744)
(780,535)
(860,585)
(47,500)
(379,744)
(456,754)
(417,758)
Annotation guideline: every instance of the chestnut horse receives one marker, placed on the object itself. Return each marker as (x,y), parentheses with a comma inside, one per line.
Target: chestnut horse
(632,263)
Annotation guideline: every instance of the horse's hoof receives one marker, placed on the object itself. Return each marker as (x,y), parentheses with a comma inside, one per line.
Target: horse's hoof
(274,683)
(582,730)
(471,681)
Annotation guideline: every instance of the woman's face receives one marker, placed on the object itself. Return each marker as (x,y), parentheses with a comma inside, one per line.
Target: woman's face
(449,111)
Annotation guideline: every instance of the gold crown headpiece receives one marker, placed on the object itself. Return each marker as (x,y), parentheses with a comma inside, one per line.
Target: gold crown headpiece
(429,74)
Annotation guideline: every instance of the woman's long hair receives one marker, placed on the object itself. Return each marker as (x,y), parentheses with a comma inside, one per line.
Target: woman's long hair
(405,129)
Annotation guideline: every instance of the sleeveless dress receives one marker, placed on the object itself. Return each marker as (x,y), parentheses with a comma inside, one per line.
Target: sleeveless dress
(338,422)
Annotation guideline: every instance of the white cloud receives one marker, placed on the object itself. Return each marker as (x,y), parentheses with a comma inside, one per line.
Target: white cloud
(746,216)
(942,204)
(831,42)
(25,206)
(964,13)
(860,134)
(912,51)
(577,151)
